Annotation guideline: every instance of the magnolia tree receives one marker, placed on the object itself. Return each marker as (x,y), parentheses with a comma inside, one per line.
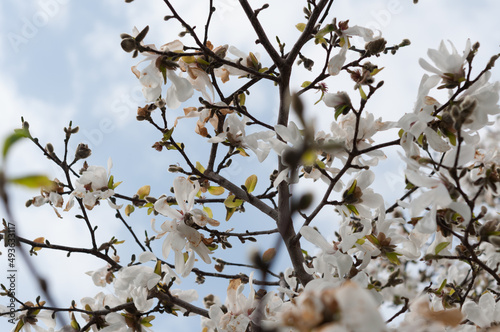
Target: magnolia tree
(432,254)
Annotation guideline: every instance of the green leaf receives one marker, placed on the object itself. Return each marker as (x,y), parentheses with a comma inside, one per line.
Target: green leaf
(229,213)
(353,187)
(216,191)
(251,182)
(168,134)
(353,209)
(340,110)
(232,202)
(373,240)
(300,26)
(157,269)
(200,168)
(305,84)
(362,93)
(33,181)
(146,321)
(440,247)
(129,209)
(376,71)
(393,257)
(208,211)
(13,138)
(441,287)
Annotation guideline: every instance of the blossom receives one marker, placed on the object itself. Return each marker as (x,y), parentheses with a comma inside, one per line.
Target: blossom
(152,77)
(92,186)
(484,313)
(337,61)
(180,228)
(234,134)
(323,306)
(359,199)
(241,310)
(448,65)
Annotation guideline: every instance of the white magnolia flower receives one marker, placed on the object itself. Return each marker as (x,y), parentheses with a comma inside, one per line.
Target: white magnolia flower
(152,78)
(241,310)
(234,133)
(486,96)
(179,228)
(360,199)
(484,313)
(93,186)
(337,61)
(448,65)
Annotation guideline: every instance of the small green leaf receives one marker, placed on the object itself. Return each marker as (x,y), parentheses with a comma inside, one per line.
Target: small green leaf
(157,269)
(353,209)
(208,211)
(146,321)
(33,181)
(300,26)
(143,191)
(376,71)
(440,247)
(373,239)
(441,287)
(216,191)
(13,138)
(229,213)
(251,182)
(200,168)
(168,134)
(232,202)
(362,93)
(340,110)
(352,188)
(129,209)
(393,257)
(305,84)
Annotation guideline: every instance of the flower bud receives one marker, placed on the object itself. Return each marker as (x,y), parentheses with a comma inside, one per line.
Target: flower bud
(82,151)
(376,46)
(128,45)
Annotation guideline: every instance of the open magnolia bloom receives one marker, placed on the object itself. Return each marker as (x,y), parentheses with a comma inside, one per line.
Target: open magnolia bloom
(448,65)
(337,61)
(180,229)
(156,73)
(94,184)
(234,135)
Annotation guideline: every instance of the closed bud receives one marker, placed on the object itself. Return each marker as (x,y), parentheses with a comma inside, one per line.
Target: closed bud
(82,151)
(491,63)
(376,46)
(128,45)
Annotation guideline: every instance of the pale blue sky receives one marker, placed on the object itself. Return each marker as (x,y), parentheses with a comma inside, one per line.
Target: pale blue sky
(61,60)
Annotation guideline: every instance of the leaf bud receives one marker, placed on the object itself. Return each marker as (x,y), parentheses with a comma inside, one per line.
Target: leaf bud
(491,63)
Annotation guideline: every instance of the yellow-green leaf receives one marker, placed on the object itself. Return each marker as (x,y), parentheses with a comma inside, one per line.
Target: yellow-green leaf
(353,209)
(373,239)
(229,213)
(232,202)
(208,211)
(243,152)
(251,182)
(362,93)
(242,98)
(441,287)
(143,191)
(300,26)
(157,269)
(352,188)
(19,326)
(393,257)
(146,321)
(216,190)
(305,84)
(129,209)
(33,181)
(38,240)
(13,138)
(440,247)
(200,168)
(376,71)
